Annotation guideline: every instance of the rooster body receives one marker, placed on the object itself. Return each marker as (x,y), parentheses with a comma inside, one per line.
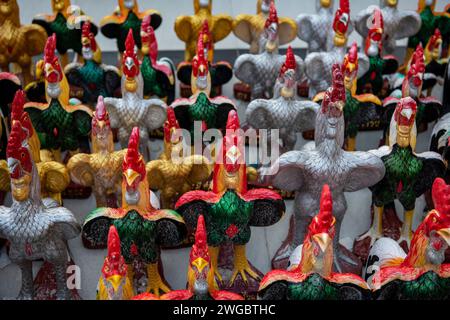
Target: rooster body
(422,273)
(313,278)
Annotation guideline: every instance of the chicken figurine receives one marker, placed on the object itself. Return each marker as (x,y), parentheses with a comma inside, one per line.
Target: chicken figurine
(20,43)
(54,176)
(408,175)
(36,228)
(372,80)
(171,176)
(249,28)
(143,230)
(101,168)
(201,284)
(66,22)
(434,66)
(361,112)
(60,125)
(314,29)
(431,20)
(422,273)
(306,171)
(284,112)
(127,17)
(429,109)
(188,28)
(132,110)
(114,283)
(398,24)
(94,78)
(211,112)
(230,210)
(158,75)
(261,70)
(314,278)
(319,64)
(221,72)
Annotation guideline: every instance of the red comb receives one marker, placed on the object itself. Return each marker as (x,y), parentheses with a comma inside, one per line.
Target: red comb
(273,16)
(114,262)
(289,63)
(200,247)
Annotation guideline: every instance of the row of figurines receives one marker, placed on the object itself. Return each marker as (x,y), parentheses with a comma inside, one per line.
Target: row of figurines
(380,28)
(37,228)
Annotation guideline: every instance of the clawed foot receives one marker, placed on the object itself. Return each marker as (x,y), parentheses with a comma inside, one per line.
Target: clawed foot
(156,287)
(372,234)
(243,269)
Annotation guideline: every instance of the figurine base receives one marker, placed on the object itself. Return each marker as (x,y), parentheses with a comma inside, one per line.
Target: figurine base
(391,229)
(76,191)
(248,290)
(308,135)
(242,91)
(45,283)
(303,89)
(186,91)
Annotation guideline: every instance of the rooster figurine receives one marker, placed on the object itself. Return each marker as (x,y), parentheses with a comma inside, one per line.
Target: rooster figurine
(306,171)
(19,42)
(201,284)
(313,278)
(188,28)
(260,71)
(132,110)
(114,283)
(284,112)
(36,228)
(431,20)
(101,168)
(319,64)
(142,228)
(212,112)
(361,112)
(314,29)
(408,175)
(158,75)
(434,66)
(398,24)
(221,72)
(230,209)
(54,176)
(249,28)
(429,109)
(127,17)
(422,273)
(59,125)
(372,81)
(93,77)
(171,176)
(66,22)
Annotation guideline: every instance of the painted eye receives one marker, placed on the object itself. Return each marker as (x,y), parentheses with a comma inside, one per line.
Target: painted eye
(22,155)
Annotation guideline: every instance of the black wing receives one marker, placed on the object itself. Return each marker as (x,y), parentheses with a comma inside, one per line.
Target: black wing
(370,116)
(182,115)
(275,291)
(432,168)
(191,211)
(112,82)
(170,233)
(222,115)
(267,212)
(221,73)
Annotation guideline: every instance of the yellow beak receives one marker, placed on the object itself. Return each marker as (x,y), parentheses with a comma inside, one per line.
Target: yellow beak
(200,264)
(325,3)
(131,176)
(85,41)
(201,68)
(323,240)
(445,234)
(101,124)
(115,281)
(392,3)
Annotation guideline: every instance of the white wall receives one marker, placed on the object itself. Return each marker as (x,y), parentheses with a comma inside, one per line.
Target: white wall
(170,9)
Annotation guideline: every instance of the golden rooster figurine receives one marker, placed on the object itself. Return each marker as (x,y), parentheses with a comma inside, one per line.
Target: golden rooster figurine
(100,169)
(53,175)
(249,28)
(172,176)
(19,43)
(114,283)
(188,28)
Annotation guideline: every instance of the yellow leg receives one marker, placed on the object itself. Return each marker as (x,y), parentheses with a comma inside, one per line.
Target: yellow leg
(406,233)
(214,254)
(154,282)
(64,59)
(241,265)
(376,230)
(351,144)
